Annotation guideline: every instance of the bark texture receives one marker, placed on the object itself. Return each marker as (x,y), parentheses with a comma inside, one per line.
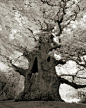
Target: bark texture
(41,80)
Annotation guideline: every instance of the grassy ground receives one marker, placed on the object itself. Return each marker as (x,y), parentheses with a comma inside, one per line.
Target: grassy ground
(39,104)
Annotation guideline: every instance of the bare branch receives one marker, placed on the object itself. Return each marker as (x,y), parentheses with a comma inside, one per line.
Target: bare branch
(62,80)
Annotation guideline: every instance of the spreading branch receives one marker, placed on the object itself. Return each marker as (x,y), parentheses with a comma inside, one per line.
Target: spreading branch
(76,86)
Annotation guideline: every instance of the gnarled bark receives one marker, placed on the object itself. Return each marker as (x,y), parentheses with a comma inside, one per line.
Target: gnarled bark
(41,81)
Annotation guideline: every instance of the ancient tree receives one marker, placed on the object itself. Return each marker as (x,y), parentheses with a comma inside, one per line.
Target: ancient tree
(41,80)
(53,22)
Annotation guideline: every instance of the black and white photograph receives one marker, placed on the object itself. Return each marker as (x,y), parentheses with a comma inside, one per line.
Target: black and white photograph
(42,53)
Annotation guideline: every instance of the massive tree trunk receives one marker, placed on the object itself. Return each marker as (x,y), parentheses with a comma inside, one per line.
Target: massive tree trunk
(41,81)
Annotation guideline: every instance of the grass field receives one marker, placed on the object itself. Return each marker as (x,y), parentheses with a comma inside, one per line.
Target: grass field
(39,104)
